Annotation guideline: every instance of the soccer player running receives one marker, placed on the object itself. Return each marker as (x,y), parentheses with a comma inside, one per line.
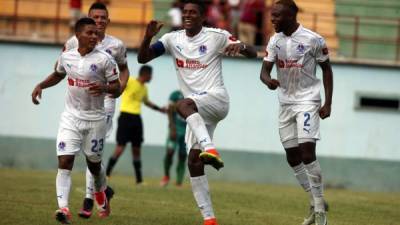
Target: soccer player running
(175,141)
(92,74)
(116,48)
(296,52)
(197,53)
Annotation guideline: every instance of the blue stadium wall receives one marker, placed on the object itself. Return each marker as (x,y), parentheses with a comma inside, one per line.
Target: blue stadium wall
(359,147)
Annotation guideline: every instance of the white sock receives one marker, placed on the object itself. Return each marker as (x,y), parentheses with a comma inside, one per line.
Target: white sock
(197,125)
(100,182)
(315,178)
(301,174)
(89,184)
(63,187)
(202,196)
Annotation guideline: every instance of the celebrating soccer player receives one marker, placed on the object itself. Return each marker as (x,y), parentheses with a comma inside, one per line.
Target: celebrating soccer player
(116,48)
(92,74)
(197,52)
(296,52)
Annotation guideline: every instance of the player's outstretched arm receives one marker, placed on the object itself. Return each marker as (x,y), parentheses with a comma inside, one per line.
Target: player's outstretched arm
(327,76)
(50,81)
(265,75)
(146,53)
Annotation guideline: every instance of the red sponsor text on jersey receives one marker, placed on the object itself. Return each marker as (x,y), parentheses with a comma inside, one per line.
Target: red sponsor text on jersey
(289,64)
(78,82)
(190,64)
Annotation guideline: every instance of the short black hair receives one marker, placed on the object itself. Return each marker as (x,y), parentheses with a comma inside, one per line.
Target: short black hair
(290,4)
(145,69)
(83,22)
(98,5)
(201,4)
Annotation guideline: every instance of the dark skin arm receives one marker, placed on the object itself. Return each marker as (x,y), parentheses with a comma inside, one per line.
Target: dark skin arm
(53,79)
(265,75)
(145,53)
(327,77)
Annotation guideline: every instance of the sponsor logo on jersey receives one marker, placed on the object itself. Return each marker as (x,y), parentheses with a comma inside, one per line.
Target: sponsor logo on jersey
(289,64)
(78,82)
(61,146)
(93,67)
(190,64)
(300,48)
(203,49)
(278,47)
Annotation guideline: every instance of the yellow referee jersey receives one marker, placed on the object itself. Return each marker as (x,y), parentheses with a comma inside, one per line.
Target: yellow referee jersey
(133,96)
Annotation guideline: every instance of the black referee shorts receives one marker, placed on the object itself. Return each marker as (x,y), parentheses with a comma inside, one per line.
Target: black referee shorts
(130,129)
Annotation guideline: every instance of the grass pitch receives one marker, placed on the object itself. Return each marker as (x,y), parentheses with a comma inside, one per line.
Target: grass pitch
(28,197)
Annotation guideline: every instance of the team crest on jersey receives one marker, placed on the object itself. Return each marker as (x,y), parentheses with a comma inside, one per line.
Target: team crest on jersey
(93,67)
(61,146)
(203,49)
(108,51)
(300,48)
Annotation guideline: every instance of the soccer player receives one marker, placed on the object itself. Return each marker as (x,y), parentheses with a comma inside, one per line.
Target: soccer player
(175,141)
(197,53)
(92,73)
(130,127)
(116,48)
(296,52)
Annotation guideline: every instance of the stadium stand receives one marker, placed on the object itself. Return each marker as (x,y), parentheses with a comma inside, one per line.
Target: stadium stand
(47,20)
(369,29)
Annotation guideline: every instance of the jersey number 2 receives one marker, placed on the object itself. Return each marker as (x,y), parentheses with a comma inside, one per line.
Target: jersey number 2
(307,119)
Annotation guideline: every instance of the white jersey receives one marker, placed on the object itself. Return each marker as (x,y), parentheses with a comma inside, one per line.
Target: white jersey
(109,44)
(296,58)
(81,71)
(198,59)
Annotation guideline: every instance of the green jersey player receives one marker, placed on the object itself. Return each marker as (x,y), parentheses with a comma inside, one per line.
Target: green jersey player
(175,141)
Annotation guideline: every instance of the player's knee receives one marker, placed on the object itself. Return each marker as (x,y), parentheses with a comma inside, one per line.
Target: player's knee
(66,162)
(186,107)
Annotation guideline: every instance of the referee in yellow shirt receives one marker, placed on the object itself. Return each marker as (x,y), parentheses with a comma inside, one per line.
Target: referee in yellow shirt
(130,126)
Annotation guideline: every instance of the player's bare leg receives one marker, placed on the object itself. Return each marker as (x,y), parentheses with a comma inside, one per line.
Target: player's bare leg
(63,187)
(200,187)
(187,109)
